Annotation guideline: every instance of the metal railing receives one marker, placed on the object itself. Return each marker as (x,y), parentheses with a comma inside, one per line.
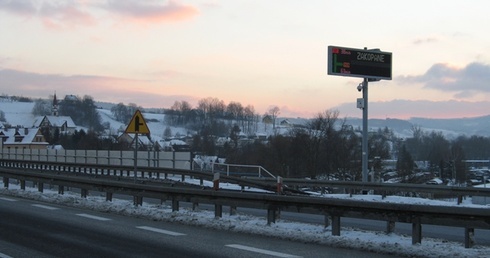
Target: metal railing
(234,169)
(333,209)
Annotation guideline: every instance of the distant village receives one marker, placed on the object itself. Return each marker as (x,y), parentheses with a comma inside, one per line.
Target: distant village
(44,127)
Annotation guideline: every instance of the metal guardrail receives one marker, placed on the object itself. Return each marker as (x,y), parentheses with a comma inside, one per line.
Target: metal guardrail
(332,209)
(383,188)
(290,185)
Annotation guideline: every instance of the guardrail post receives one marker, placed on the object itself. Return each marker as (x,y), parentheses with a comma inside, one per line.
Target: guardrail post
(23,184)
(271,215)
(216,181)
(460,199)
(108,197)
(61,189)
(390,227)
(84,193)
(175,204)
(469,234)
(335,225)
(6,182)
(138,200)
(218,210)
(416,232)
(40,187)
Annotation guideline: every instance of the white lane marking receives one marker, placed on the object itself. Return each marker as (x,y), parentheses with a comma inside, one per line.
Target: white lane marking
(262,251)
(8,199)
(2,255)
(45,207)
(162,231)
(93,217)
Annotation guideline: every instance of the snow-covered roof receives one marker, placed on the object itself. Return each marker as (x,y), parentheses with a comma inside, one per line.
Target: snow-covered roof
(55,121)
(26,135)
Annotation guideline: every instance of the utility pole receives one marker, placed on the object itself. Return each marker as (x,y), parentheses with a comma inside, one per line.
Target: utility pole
(365,149)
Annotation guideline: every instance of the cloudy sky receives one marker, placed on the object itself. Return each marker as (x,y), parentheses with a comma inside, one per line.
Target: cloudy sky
(256,52)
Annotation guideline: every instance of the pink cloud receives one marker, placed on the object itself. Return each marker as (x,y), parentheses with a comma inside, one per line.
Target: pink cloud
(152,11)
(67,17)
(72,14)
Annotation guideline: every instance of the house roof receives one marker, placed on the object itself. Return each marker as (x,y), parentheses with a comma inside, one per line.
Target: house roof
(26,138)
(141,138)
(55,121)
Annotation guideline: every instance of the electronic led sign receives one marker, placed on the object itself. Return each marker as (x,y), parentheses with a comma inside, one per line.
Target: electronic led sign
(373,64)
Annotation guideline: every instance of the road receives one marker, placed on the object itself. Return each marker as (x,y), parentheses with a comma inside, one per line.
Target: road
(36,229)
(456,234)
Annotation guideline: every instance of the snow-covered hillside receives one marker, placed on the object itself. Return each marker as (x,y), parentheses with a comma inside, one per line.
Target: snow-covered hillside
(19,114)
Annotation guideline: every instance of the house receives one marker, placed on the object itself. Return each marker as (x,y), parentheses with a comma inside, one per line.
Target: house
(143,141)
(286,123)
(23,138)
(174,145)
(64,124)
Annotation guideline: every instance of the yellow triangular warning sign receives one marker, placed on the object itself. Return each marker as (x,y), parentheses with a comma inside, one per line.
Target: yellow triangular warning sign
(137,124)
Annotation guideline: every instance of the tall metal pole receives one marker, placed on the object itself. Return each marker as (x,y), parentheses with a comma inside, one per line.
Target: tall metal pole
(135,156)
(365,131)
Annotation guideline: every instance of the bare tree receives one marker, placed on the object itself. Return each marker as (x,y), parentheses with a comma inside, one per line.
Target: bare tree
(274,112)
(234,110)
(249,115)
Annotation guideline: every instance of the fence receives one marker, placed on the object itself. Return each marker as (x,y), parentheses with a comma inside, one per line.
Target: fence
(154,159)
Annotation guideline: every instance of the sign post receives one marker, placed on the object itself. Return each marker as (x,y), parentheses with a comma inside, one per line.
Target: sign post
(137,125)
(371,65)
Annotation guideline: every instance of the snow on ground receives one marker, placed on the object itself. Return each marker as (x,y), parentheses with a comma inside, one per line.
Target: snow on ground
(156,128)
(377,242)
(18,113)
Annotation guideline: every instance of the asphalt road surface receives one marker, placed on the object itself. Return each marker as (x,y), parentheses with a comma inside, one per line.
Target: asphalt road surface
(36,229)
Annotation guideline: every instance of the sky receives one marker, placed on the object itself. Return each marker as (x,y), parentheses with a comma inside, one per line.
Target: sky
(261,53)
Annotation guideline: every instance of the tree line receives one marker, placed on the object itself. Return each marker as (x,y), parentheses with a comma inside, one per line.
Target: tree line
(212,114)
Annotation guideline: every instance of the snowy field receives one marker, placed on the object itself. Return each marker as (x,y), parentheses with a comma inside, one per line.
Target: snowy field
(378,242)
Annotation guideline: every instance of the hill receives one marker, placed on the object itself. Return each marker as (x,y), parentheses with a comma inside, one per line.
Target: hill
(19,114)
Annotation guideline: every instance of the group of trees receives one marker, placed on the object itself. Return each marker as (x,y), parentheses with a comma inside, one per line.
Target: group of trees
(82,111)
(214,115)
(326,147)
(123,113)
(445,157)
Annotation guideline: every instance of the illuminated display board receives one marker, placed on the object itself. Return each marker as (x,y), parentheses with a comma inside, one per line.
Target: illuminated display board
(359,63)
